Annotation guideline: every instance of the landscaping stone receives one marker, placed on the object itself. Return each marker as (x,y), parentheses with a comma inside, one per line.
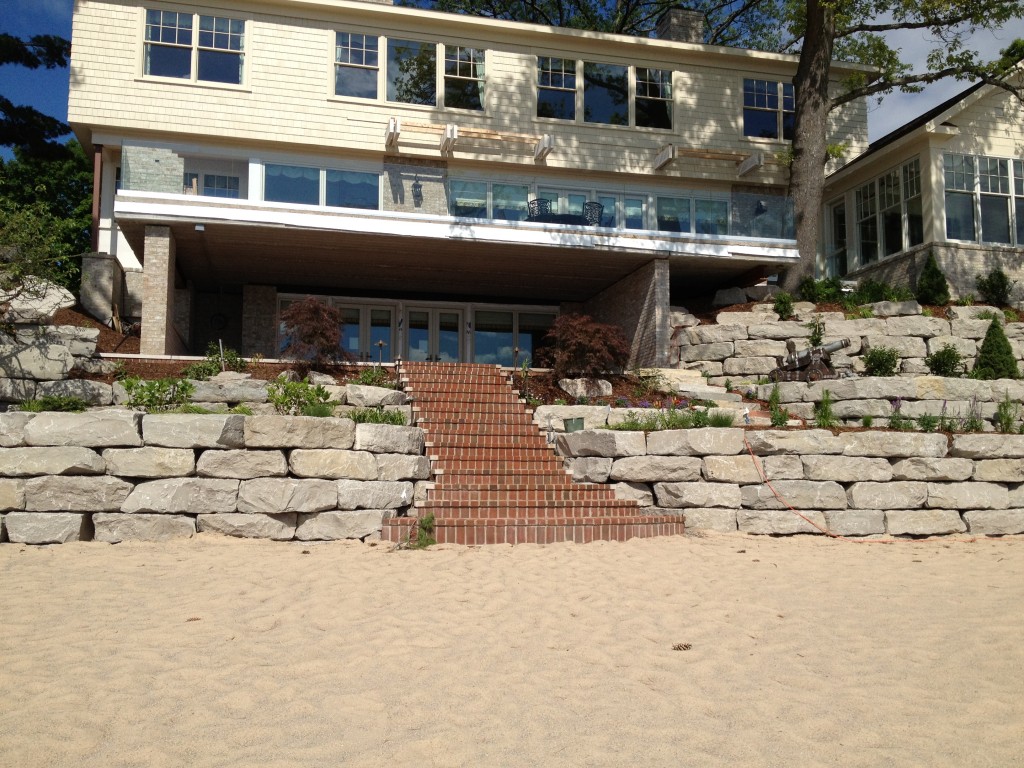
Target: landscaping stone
(242,464)
(589,469)
(789,391)
(932,469)
(42,362)
(868,388)
(852,329)
(81,342)
(759,314)
(365,396)
(995,522)
(36,302)
(760,348)
(846,469)
(709,519)
(972,495)
(778,522)
(150,462)
(373,494)
(749,366)
(275,527)
(601,442)
(75,494)
(52,528)
(333,464)
(782,330)
(917,325)
(855,522)
(298,432)
(966,347)
(317,379)
(12,494)
(17,390)
(94,393)
(585,387)
(943,388)
(92,429)
(893,444)
(274,495)
(172,430)
(905,346)
(649,469)
(725,297)
(969,329)
(695,442)
(334,526)
(742,469)
(237,388)
(389,438)
(552,417)
(999,470)
(95,366)
(640,492)
(801,494)
(61,460)
(706,352)
(677,495)
(798,442)
(970,312)
(855,409)
(711,334)
(401,466)
(891,495)
(923,522)
(988,446)
(183,495)
(114,528)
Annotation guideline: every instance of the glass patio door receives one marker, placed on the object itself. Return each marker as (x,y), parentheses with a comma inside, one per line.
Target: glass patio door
(433,334)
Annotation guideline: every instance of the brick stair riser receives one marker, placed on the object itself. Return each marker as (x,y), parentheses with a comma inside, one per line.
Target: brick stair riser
(459,478)
(449,431)
(521,495)
(510,502)
(523,532)
(489,423)
(491,442)
(529,484)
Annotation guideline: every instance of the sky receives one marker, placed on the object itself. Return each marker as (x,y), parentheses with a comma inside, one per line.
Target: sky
(47,90)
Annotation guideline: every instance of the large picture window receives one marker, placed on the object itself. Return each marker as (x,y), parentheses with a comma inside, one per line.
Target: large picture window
(352,189)
(412,72)
(605,94)
(172,49)
(768,109)
(302,185)
(356,60)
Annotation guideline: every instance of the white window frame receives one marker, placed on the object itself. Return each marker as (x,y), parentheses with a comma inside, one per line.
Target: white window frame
(780,111)
(194,47)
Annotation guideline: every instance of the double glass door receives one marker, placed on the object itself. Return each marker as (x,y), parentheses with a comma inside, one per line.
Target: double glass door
(433,334)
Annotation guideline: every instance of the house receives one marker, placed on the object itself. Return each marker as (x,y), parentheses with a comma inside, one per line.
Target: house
(950,182)
(450,183)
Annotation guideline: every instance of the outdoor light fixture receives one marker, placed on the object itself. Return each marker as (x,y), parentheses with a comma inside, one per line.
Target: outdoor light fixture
(417,192)
(380,352)
(200,227)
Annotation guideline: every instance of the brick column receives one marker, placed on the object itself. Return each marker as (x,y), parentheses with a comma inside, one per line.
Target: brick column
(158,336)
(259,320)
(639,304)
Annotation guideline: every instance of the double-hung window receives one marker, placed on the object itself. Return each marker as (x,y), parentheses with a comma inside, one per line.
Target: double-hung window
(356,65)
(867,223)
(769,109)
(653,98)
(463,77)
(556,88)
(994,186)
(1018,198)
(609,94)
(892,217)
(959,173)
(912,202)
(173,49)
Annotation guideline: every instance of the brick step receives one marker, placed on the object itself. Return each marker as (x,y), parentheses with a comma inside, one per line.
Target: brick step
(472,378)
(521,458)
(534,508)
(448,429)
(530,484)
(458,388)
(473,532)
(486,442)
(518,498)
(471,476)
(484,420)
(470,410)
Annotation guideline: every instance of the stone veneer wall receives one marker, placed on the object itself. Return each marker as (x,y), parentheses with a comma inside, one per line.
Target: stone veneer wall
(117,475)
(852,484)
(639,304)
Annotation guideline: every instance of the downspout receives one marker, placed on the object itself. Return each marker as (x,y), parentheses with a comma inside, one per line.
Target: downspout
(97,183)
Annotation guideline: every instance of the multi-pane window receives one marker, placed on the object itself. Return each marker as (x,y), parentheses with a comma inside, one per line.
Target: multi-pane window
(467,199)
(556,88)
(463,77)
(356,59)
(1018,198)
(317,186)
(605,93)
(984,199)
(867,223)
(768,109)
(959,173)
(889,200)
(673,214)
(837,264)
(994,186)
(653,98)
(216,54)
(611,94)
(485,200)
(912,202)
(412,72)
(352,189)
(216,185)
(711,217)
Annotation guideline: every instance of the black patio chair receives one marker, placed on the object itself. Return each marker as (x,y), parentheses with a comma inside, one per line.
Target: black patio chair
(592,213)
(539,207)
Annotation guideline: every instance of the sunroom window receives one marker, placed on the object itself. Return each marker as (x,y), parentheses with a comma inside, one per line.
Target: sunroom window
(959,173)
(302,185)
(867,223)
(674,214)
(352,189)
(994,186)
(1018,200)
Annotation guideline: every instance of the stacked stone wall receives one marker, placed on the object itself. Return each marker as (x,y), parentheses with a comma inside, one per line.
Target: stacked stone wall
(851,484)
(117,475)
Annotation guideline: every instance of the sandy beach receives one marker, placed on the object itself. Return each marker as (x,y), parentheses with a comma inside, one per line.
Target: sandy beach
(799,651)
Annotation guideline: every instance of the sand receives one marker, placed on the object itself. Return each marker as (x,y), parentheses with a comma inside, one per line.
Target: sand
(792,652)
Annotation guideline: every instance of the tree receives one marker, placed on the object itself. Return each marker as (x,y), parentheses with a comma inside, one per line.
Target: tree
(995,356)
(23,126)
(932,286)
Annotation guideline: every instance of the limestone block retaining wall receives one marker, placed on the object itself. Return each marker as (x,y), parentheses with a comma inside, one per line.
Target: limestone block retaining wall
(115,475)
(851,484)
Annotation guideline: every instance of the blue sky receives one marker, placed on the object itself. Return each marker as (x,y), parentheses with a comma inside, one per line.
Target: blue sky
(47,90)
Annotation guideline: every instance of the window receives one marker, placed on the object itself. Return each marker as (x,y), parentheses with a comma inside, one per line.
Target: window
(836,263)
(959,172)
(1018,200)
(473,199)
(463,77)
(994,186)
(172,50)
(412,72)
(510,201)
(892,217)
(605,94)
(291,184)
(356,65)
(351,189)
(867,223)
(556,88)
(653,98)
(768,109)
(215,185)
(634,210)
(912,202)
(613,94)
(673,214)
(711,217)
(302,185)
(468,199)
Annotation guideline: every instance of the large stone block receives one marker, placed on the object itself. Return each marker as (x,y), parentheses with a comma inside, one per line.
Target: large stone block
(552,417)
(299,432)
(678,495)
(895,308)
(275,495)
(333,464)
(854,329)
(999,470)
(402,466)
(970,495)
(856,409)
(994,522)
(710,519)
(782,330)
(641,493)
(230,390)
(779,522)
(969,329)
(802,494)
(789,391)
(893,444)
(17,390)
(966,347)
(943,388)
(150,462)
(696,442)
(42,362)
(275,527)
(37,304)
(706,352)
(59,460)
(650,469)
(577,388)
(995,446)
(712,334)
(931,469)
(12,428)
(46,528)
(333,526)
(749,366)
(388,438)
(92,429)
(892,495)
(760,314)
(75,494)
(80,341)
(94,393)
(867,388)
(372,397)
(183,495)
(601,442)
(744,469)
(855,522)
(114,528)
(923,522)
(925,327)
(846,469)
(590,469)
(242,464)
(214,430)
(760,348)
(373,494)
(12,494)
(797,442)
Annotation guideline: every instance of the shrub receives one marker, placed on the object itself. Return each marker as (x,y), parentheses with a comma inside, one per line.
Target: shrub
(1007,416)
(817,329)
(867,421)
(1011,315)
(66,403)
(946,362)
(932,287)
(821,291)
(297,397)
(377,416)
(581,346)
(374,376)
(967,300)
(777,415)
(824,415)
(211,366)
(313,332)
(897,420)
(995,288)
(995,357)
(721,419)
(783,305)
(881,361)
(928,422)
(157,394)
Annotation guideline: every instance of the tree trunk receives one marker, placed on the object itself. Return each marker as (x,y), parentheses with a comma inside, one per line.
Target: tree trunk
(810,136)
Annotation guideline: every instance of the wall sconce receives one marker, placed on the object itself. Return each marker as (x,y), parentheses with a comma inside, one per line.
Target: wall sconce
(417,192)
(761,208)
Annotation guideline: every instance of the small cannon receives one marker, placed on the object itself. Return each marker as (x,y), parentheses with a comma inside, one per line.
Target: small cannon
(812,364)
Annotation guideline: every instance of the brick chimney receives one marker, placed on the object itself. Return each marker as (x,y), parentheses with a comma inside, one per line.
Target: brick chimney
(682,25)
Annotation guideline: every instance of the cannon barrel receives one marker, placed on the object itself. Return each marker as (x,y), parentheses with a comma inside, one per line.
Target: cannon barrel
(797,359)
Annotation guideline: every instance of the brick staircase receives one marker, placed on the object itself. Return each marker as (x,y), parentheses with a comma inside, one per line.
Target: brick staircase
(496,480)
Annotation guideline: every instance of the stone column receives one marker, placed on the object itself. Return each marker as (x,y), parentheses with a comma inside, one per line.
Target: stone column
(259,320)
(639,304)
(102,278)
(158,337)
